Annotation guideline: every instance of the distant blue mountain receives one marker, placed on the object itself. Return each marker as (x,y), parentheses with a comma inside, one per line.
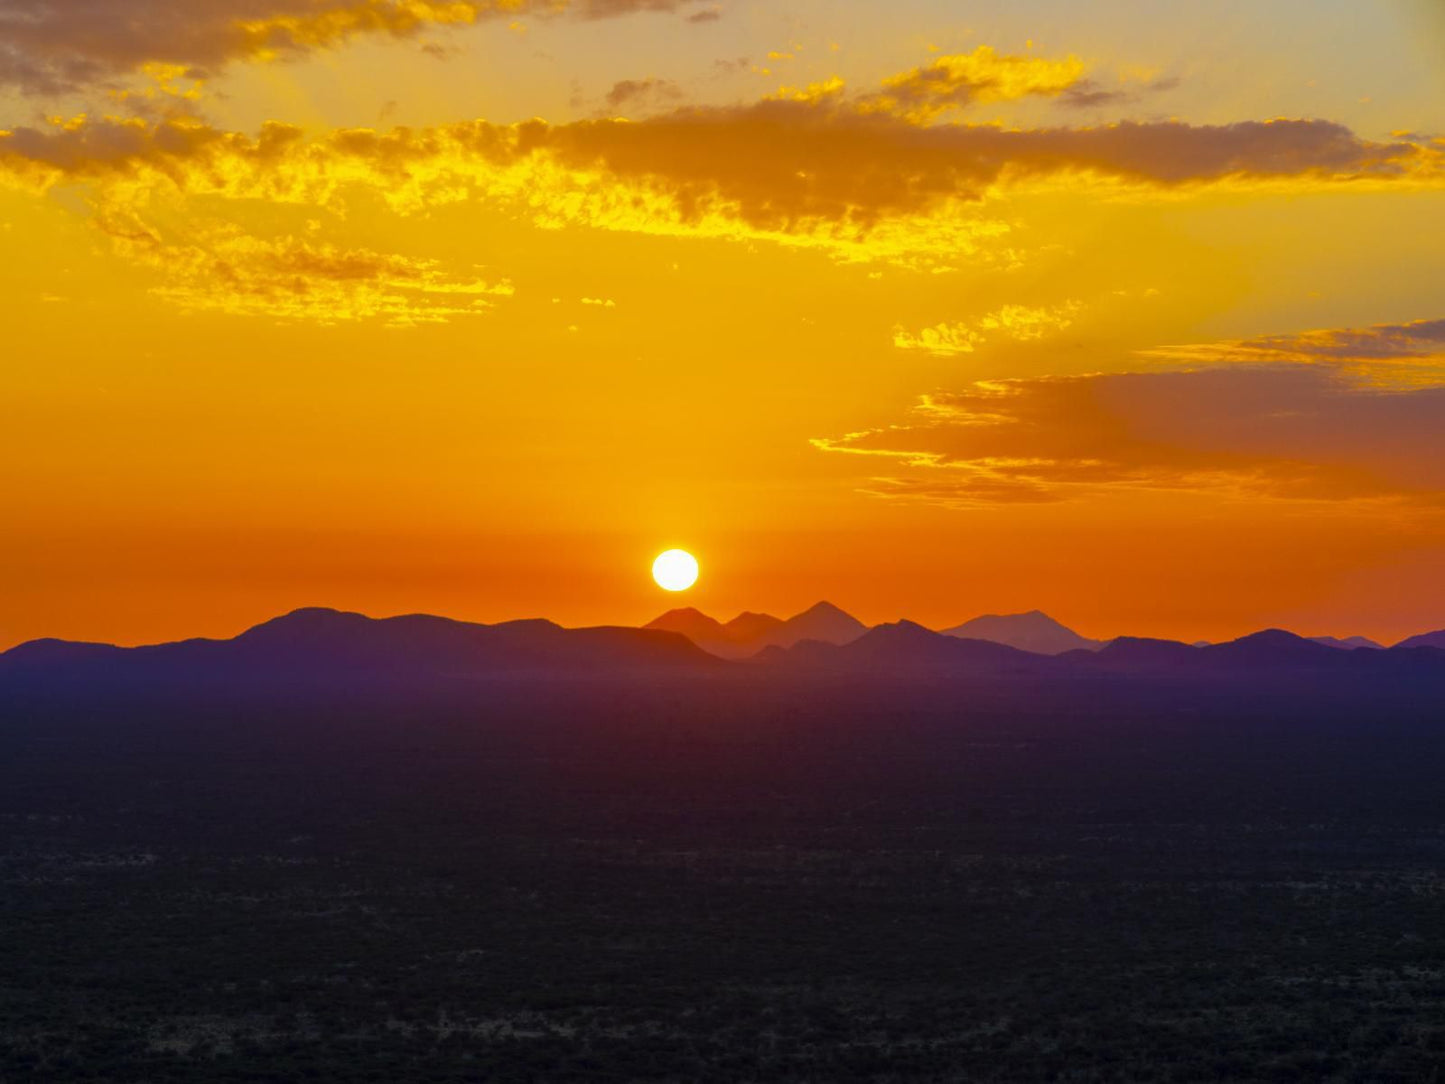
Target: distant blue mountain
(1348,643)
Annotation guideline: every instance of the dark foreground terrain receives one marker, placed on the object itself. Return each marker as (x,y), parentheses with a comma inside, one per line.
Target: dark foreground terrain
(731,876)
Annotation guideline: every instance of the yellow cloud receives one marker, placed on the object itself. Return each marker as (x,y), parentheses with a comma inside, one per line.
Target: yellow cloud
(265,38)
(224,270)
(942,339)
(1018,322)
(808,173)
(830,89)
(924,93)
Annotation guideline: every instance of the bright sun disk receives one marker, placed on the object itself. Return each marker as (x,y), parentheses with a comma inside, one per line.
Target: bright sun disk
(675,570)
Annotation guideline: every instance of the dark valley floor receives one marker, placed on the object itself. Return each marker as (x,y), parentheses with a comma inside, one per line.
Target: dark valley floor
(710,878)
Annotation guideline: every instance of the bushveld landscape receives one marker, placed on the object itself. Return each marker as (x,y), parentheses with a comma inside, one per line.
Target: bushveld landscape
(730,872)
(618,332)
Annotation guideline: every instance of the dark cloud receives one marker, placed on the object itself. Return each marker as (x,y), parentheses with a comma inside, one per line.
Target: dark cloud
(777,166)
(778,161)
(1380,343)
(633,92)
(1421,338)
(1090,94)
(51,47)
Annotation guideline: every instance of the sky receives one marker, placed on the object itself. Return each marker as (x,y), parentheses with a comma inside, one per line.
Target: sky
(1130,312)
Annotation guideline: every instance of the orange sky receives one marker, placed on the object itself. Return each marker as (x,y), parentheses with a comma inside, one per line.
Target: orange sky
(1125,313)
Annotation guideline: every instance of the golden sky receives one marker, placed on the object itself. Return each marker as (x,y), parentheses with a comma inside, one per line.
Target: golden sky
(1131,313)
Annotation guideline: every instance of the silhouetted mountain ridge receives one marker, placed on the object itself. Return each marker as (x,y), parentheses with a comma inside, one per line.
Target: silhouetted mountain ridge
(1425,639)
(343,648)
(904,646)
(749,633)
(319,641)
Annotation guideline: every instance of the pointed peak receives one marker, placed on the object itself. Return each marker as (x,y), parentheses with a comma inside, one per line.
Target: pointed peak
(824,621)
(684,611)
(826,611)
(687,620)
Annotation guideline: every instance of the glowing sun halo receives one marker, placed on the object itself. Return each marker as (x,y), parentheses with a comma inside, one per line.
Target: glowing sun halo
(675,570)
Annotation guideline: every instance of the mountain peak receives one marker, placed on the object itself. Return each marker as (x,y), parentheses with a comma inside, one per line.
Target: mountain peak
(1033,631)
(822,621)
(687,620)
(684,613)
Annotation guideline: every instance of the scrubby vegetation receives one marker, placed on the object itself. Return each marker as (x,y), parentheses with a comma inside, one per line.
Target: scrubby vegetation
(721,883)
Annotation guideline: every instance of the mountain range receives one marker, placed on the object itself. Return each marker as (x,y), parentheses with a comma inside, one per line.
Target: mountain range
(332,647)
(325,644)
(749,633)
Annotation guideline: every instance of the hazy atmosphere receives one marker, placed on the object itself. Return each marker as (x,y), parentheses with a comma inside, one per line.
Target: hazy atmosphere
(1127,311)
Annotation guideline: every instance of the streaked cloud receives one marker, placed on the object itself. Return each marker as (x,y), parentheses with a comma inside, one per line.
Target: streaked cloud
(1419,340)
(1282,431)
(1093,94)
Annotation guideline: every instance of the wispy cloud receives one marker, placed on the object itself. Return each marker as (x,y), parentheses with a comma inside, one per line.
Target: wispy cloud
(1021,323)
(1417,340)
(1287,431)
(643,93)
(287,278)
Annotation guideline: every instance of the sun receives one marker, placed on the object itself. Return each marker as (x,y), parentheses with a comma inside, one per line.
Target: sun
(675,570)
